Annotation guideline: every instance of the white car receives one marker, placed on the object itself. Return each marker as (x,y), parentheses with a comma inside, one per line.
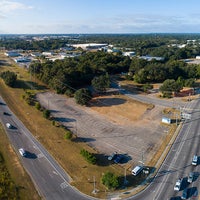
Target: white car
(177,187)
(22,152)
(195,160)
(8,125)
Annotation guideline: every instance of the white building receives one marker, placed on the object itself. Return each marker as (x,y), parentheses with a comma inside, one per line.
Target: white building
(12,54)
(22,59)
(47,53)
(150,58)
(89,46)
(129,53)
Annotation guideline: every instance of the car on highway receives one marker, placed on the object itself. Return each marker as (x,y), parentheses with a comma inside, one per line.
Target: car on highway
(5,113)
(185,194)
(195,160)
(176,198)
(112,156)
(22,152)
(190,177)
(8,125)
(178,184)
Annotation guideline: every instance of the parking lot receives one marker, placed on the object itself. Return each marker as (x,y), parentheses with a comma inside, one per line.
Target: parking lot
(138,139)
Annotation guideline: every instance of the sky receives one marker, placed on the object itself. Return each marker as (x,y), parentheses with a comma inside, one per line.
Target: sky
(99,16)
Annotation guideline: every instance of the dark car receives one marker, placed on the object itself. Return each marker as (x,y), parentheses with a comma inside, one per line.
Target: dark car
(176,198)
(118,158)
(185,194)
(5,113)
(112,156)
(190,177)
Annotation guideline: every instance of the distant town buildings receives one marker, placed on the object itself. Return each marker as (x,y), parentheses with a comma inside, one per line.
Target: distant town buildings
(129,53)
(150,58)
(12,54)
(22,59)
(89,46)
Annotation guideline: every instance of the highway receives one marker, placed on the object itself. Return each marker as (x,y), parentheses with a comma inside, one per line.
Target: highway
(50,179)
(178,163)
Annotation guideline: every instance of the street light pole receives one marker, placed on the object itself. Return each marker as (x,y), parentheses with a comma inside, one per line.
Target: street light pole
(94,190)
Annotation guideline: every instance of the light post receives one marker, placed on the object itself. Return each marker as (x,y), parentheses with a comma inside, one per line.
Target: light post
(125,180)
(94,190)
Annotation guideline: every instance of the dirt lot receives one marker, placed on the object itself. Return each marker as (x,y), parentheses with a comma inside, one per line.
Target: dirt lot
(111,123)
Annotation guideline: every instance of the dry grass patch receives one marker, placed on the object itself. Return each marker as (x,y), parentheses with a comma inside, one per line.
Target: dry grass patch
(119,109)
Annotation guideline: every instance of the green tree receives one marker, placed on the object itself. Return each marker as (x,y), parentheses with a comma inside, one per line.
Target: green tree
(83,96)
(169,86)
(9,78)
(101,83)
(110,180)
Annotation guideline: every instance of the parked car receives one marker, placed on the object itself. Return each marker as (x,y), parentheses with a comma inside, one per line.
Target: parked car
(137,170)
(118,158)
(191,177)
(112,156)
(22,152)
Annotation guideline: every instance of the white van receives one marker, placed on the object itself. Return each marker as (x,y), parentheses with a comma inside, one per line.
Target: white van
(137,170)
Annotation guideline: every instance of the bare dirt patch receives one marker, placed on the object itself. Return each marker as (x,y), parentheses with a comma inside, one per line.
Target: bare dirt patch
(119,109)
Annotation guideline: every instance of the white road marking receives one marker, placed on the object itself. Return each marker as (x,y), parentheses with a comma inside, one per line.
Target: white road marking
(41,155)
(54,172)
(63,185)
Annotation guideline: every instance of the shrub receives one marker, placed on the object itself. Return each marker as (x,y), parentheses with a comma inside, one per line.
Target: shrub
(46,114)
(37,105)
(110,180)
(68,135)
(88,156)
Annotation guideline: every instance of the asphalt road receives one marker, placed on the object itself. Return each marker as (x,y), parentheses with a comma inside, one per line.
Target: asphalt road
(50,179)
(178,163)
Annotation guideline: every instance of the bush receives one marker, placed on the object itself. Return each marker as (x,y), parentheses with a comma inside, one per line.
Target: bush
(88,156)
(46,114)
(110,180)
(37,105)
(68,135)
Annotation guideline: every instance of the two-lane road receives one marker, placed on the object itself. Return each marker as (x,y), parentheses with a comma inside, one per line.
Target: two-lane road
(49,178)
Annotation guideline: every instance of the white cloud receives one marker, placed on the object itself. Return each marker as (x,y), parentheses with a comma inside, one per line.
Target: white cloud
(7,6)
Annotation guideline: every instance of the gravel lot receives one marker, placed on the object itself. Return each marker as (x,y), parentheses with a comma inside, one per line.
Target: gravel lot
(135,139)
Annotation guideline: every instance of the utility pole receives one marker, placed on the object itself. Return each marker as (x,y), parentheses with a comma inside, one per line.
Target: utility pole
(94,190)
(125,180)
